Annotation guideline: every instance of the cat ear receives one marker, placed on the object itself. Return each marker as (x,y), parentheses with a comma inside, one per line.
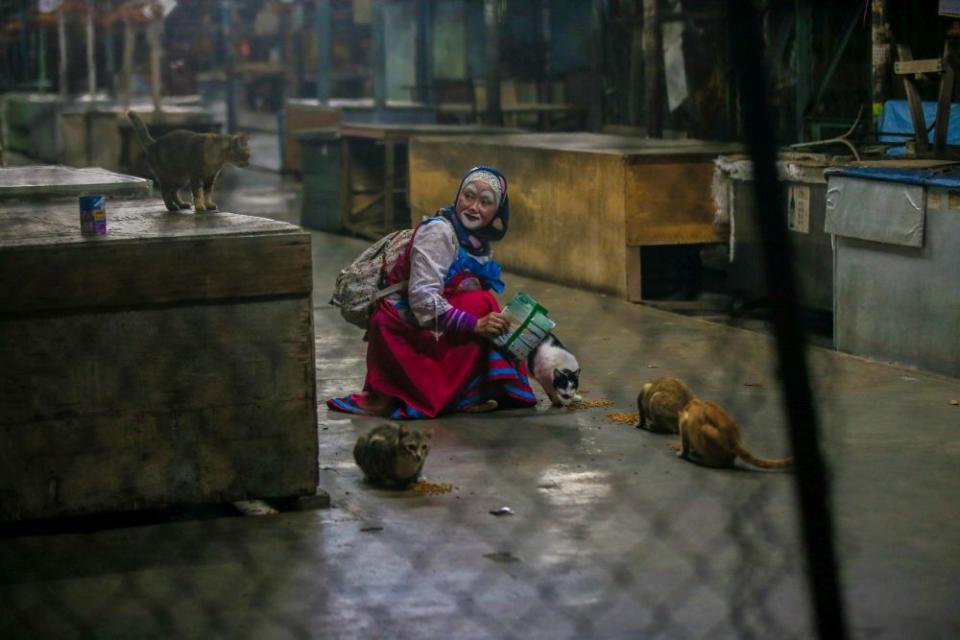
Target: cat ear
(556,372)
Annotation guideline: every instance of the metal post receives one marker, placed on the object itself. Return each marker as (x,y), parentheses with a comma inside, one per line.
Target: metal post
(379,53)
(881,47)
(653,69)
(62,44)
(595,113)
(491,34)
(424,55)
(42,81)
(155,37)
(546,95)
(324,19)
(803,15)
(226,59)
(91,58)
(812,485)
(129,40)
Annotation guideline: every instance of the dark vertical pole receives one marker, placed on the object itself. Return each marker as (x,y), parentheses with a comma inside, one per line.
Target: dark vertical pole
(424,54)
(546,94)
(324,20)
(491,39)
(811,475)
(110,45)
(25,73)
(635,82)
(880,57)
(653,69)
(595,109)
(287,78)
(226,54)
(803,14)
(379,56)
(62,53)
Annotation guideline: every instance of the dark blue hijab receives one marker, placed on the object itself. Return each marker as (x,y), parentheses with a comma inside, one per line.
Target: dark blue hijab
(477,242)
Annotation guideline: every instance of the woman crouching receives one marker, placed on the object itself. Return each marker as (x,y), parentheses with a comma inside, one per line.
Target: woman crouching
(430,349)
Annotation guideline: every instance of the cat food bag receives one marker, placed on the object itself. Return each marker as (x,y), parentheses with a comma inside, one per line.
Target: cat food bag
(360,286)
(93,215)
(529,326)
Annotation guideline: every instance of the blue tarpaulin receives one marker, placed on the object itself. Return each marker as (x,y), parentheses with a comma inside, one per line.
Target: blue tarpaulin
(896,119)
(947,177)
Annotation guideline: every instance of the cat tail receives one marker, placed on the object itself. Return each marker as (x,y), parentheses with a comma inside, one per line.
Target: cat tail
(764,463)
(139,128)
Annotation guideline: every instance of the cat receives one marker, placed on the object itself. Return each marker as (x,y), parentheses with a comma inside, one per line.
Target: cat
(183,158)
(557,371)
(659,404)
(392,454)
(709,436)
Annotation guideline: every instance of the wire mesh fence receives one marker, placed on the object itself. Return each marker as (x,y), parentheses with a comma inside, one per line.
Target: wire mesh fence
(608,533)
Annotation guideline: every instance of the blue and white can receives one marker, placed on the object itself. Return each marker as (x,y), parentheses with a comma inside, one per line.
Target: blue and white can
(93,215)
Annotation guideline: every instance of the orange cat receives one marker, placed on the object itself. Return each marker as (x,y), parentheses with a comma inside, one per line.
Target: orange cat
(659,404)
(709,436)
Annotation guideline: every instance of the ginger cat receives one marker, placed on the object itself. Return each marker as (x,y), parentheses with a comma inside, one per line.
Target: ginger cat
(709,436)
(659,404)
(183,158)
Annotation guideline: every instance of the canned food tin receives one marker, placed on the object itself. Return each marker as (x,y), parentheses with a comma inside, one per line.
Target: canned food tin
(93,215)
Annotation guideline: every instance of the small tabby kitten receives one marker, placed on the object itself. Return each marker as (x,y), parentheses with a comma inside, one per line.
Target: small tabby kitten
(183,158)
(391,454)
(557,371)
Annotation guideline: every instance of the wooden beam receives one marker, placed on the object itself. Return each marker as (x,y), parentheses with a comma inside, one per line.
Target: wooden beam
(904,67)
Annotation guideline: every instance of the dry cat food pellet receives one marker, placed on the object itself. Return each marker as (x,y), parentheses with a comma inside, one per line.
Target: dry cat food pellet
(432,487)
(590,404)
(624,418)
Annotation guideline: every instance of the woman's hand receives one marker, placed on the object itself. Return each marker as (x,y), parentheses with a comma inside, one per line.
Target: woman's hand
(492,325)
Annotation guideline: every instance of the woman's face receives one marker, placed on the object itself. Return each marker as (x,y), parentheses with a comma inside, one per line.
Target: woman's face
(476,205)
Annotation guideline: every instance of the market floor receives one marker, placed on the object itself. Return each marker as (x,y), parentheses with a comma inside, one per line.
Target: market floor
(610,536)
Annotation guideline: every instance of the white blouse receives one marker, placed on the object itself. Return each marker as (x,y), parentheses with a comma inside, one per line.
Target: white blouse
(435,249)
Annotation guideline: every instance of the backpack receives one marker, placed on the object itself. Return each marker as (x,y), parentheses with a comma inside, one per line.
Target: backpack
(360,286)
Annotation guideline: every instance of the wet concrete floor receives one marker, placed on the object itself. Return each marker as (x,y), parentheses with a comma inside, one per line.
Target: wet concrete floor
(611,535)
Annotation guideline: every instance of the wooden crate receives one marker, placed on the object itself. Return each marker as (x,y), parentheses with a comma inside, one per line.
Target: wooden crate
(168,362)
(300,114)
(583,205)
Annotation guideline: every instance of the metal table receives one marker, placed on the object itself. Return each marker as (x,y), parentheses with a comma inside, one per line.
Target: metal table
(897,265)
(55,181)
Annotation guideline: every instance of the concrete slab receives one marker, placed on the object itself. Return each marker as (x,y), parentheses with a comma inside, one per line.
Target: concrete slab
(611,537)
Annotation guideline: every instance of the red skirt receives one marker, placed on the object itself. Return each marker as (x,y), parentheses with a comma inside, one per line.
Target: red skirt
(411,373)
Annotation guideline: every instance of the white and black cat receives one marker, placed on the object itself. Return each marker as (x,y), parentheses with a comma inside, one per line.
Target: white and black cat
(557,371)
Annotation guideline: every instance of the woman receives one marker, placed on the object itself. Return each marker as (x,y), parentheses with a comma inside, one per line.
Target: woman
(430,349)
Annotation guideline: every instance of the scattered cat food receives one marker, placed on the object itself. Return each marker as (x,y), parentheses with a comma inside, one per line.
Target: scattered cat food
(752,384)
(624,418)
(590,404)
(502,511)
(432,488)
(373,529)
(653,366)
(955,403)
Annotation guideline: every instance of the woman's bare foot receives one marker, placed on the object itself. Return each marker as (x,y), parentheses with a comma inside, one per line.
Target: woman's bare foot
(484,407)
